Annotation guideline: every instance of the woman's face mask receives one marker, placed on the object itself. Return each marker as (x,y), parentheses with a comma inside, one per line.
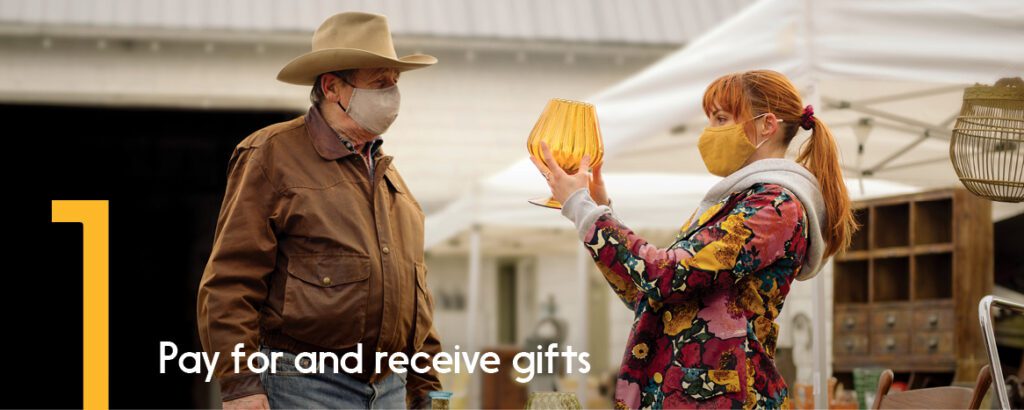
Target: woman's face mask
(374,109)
(726,148)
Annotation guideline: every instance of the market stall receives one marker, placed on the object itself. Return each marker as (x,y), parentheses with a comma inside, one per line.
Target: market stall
(882,74)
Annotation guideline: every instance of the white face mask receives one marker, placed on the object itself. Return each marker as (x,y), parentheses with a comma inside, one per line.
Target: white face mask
(373,109)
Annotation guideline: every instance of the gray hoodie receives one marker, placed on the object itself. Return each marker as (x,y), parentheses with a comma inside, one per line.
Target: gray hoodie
(582,210)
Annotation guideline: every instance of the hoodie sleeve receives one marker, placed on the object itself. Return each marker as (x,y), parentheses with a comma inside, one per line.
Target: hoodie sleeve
(756,228)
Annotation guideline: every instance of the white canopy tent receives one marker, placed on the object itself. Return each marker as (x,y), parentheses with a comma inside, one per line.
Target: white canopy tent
(867,49)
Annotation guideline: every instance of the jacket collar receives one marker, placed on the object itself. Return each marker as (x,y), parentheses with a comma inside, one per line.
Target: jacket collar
(329,143)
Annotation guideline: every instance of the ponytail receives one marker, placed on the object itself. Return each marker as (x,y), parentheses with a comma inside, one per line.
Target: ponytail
(820,155)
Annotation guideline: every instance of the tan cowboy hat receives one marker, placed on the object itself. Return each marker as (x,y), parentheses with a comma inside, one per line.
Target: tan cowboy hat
(350,40)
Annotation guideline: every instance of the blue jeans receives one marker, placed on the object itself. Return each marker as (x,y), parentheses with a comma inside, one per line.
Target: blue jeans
(289,389)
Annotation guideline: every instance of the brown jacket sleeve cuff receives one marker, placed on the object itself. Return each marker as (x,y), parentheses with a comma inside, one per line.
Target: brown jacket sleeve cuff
(240,385)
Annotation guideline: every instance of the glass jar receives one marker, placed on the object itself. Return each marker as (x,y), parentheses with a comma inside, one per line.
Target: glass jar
(439,400)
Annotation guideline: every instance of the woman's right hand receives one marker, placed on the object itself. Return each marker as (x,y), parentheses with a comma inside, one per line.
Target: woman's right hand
(597,190)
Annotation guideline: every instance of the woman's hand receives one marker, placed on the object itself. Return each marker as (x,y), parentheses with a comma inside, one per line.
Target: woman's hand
(597,191)
(561,183)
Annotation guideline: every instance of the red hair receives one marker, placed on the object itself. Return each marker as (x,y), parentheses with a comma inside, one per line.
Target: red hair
(752,93)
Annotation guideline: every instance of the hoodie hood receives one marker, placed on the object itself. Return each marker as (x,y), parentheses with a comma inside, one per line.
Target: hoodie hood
(797,180)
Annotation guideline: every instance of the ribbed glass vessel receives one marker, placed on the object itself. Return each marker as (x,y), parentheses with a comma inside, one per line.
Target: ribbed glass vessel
(571,130)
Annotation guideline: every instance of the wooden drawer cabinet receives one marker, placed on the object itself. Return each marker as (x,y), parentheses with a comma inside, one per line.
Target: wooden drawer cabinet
(852,320)
(932,343)
(926,320)
(851,344)
(906,291)
(890,318)
(890,343)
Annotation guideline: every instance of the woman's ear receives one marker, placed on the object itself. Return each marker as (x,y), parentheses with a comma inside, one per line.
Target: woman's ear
(770,125)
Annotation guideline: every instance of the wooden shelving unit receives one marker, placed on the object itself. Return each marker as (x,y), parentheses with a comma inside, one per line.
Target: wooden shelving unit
(907,290)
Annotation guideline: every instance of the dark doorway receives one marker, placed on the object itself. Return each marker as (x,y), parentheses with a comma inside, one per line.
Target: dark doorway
(163,171)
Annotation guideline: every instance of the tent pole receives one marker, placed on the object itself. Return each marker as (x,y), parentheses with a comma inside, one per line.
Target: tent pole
(583,262)
(899,153)
(932,129)
(473,308)
(819,312)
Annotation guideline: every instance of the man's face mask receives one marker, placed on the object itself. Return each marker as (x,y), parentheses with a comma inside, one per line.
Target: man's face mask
(373,109)
(724,149)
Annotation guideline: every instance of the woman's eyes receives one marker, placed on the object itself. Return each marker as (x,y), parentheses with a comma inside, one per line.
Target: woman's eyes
(721,120)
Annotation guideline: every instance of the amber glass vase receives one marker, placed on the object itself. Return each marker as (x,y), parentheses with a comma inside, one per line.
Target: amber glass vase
(571,130)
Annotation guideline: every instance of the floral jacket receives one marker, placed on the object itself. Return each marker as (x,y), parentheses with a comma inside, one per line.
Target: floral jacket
(704,331)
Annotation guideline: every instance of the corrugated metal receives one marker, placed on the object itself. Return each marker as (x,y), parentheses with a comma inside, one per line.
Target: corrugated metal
(612,21)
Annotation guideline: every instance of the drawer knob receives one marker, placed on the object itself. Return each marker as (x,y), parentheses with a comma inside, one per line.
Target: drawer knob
(849,322)
(933,320)
(849,345)
(890,343)
(933,343)
(890,320)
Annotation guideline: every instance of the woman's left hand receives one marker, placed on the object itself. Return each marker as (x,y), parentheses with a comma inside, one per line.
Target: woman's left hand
(561,183)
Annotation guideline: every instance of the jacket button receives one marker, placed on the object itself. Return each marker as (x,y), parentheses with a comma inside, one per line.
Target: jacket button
(326,280)
(386,250)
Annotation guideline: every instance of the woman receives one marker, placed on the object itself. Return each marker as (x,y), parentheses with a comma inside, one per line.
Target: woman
(704,332)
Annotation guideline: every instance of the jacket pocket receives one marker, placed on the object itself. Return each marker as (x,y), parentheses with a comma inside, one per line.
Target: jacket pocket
(325,299)
(424,307)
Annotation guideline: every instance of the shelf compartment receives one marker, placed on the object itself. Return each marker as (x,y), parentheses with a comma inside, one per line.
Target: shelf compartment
(933,276)
(891,281)
(933,221)
(851,281)
(890,226)
(859,241)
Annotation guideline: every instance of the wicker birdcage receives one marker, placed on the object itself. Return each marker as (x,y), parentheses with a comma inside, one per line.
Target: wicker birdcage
(987,147)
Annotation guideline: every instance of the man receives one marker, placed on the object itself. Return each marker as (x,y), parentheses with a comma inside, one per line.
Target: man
(319,243)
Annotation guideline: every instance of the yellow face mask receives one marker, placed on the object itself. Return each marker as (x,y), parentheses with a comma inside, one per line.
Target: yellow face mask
(724,149)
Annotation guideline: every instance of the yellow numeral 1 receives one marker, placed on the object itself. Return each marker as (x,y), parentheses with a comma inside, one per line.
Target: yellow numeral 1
(94,217)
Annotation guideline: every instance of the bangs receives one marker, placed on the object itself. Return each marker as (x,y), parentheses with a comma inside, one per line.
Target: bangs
(728,92)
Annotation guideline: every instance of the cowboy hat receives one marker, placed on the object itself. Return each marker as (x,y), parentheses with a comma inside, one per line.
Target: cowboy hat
(350,40)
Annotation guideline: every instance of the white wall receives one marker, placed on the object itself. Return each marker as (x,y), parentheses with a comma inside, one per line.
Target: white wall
(463,119)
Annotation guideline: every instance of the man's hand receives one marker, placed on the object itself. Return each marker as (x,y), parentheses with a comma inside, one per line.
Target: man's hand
(256,401)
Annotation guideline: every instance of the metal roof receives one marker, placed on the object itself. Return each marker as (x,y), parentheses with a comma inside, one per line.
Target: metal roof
(598,21)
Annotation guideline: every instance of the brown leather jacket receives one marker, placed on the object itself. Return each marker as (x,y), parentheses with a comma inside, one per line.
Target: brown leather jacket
(311,253)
